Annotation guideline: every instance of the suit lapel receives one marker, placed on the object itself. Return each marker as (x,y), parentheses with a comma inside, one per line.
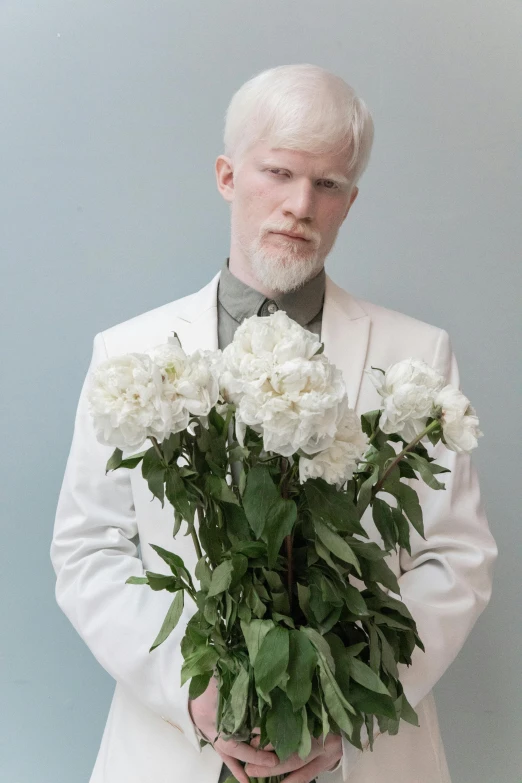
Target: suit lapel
(196,326)
(345,333)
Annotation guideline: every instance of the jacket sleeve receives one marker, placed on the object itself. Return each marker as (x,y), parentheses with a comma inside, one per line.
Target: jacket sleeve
(446,583)
(94,550)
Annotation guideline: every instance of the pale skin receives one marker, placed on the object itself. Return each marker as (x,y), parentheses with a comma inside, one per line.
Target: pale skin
(278,190)
(283,190)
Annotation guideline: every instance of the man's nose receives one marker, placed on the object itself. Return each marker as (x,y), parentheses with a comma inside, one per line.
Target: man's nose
(300,201)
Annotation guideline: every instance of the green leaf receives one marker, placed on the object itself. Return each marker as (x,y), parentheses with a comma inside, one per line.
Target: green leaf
(426,473)
(210,609)
(324,553)
(272,659)
(303,596)
(114,460)
(162,581)
(176,493)
(370,421)
(170,621)
(301,664)
(221,578)
(328,505)
(390,622)
(388,658)
(151,459)
(170,445)
(203,573)
(254,602)
(278,525)
(199,684)
(379,571)
(259,497)
(177,566)
(403,529)
(407,712)
(137,580)
(251,549)
(320,644)
(283,725)
(365,491)
(368,701)
(337,545)
(239,698)
(254,633)
(132,462)
(219,489)
(362,674)
(239,568)
(236,524)
(156,482)
(334,699)
(354,600)
(410,505)
(384,522)
(305,743)
(201,661)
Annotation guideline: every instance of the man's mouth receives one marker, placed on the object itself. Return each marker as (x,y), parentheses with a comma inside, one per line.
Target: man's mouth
(291,236)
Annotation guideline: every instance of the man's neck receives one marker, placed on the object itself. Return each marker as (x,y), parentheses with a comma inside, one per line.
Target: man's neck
(240,270)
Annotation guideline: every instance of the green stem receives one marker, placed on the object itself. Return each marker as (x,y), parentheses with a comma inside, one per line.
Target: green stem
(195,539)
(157,448)
(409,447)
(289,540)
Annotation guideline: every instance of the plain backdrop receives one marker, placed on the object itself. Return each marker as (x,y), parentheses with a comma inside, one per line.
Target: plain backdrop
(111,120)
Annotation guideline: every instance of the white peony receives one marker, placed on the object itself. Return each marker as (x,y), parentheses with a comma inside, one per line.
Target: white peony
(190,383)
(458,418)
(198,385)
(125,401)
(171,361)
(408,389)
(136,396)
(337,463)
(281,386)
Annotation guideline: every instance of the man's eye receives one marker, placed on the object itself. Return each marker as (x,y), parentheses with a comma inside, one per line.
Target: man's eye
(275,171)
(334,184)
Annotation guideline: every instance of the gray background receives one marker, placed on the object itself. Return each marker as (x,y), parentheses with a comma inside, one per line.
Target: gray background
(111,116)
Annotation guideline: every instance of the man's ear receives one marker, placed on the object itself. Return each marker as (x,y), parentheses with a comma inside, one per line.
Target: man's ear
(225,177)
(353,196)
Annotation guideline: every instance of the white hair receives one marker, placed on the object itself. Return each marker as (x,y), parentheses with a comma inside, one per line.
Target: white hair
(301,107)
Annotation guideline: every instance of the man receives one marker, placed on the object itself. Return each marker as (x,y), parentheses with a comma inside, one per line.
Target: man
(297,141)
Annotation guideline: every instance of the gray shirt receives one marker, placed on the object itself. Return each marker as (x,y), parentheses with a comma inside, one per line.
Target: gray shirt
(237,301)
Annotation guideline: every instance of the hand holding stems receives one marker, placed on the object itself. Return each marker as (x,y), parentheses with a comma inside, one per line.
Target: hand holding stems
(296,770)
(260,764)
(203,713)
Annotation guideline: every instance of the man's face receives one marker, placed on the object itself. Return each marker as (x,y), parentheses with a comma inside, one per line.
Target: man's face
(281,190)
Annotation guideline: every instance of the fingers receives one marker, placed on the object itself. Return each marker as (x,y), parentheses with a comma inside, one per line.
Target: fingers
(327,755)
(235,767)
(245,752)
(292,763)
(255,743)
(310,771)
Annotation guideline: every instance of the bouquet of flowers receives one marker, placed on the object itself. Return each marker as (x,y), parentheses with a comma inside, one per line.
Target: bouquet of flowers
(270,471)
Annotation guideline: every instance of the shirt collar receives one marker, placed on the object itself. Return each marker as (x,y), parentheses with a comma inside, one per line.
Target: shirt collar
(241,301)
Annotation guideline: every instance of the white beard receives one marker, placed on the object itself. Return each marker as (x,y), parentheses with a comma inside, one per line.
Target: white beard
(284,269)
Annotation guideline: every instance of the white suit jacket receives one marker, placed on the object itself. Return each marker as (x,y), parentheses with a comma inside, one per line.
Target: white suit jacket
(101,519)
